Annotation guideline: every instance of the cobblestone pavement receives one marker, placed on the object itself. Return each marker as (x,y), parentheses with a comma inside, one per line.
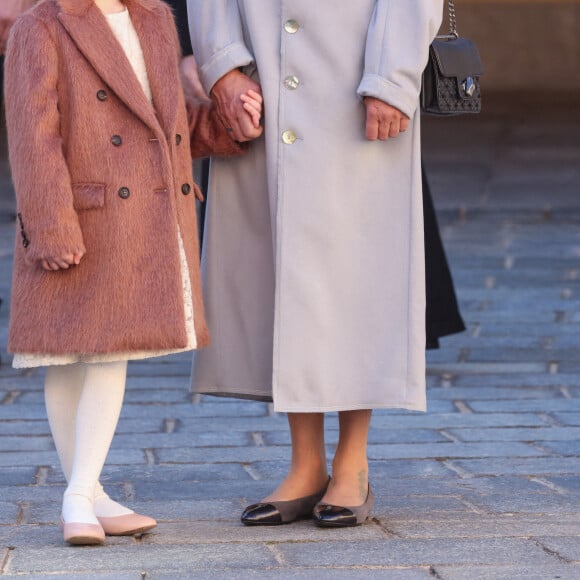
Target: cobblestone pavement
(484,486)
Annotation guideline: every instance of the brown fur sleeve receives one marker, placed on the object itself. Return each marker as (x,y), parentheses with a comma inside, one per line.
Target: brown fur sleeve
(208,135)
(49,223)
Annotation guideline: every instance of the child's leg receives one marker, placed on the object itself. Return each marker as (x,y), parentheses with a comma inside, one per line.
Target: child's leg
(63,387)
(97,416)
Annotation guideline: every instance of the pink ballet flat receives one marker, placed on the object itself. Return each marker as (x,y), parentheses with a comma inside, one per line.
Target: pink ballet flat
(78,534)
(127,525)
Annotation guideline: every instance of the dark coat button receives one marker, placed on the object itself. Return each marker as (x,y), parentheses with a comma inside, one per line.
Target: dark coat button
(186,189)
(177,139)
(102,95)
(124,192)
(116,140)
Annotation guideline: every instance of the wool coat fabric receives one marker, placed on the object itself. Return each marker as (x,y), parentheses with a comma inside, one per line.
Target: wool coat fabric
(96,167)
(313,252)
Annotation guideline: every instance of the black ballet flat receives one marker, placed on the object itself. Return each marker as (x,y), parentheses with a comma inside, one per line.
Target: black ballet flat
(333,516)
(276,513)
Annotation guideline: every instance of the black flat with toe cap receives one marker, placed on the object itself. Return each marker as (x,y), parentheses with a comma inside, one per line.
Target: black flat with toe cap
(275,513)
(334,516)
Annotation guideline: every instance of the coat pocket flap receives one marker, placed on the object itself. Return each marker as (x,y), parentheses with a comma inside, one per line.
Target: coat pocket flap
(88,195)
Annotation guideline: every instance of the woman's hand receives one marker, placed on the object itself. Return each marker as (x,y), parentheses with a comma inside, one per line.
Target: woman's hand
(227,96)
(63,262)
(383,120)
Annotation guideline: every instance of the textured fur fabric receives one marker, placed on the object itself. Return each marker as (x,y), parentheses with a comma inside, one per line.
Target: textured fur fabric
(95,166)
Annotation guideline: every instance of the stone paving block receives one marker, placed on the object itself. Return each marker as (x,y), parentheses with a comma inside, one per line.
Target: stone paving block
(387,507)
(567,418)
(505,484)
(376,436)
(190,411)
(449,450)
(24,475)
(539,434)
(567,548)
(524,571)
(567,448)
(456,420)
(526,406)
(416,552)
(8,512)
(570,483)
(488,368)
(218,438)
(418,468)
(519,466)
(41,443)
(220,454)
(540,503)
(232,530)
(304,573)
(492,393)
(484,526)
(15,428)
(138,557)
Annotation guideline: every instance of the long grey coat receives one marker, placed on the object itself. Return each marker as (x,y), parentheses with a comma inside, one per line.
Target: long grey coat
(313,266)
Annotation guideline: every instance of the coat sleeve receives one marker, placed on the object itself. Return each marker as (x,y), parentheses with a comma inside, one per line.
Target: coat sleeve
(49,223)
(397,49)
(217,38)
(207,132)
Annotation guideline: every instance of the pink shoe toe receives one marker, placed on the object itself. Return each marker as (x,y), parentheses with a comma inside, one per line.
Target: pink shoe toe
(127,525)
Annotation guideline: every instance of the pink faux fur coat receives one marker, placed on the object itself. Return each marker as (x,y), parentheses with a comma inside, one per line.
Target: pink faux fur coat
(95,166)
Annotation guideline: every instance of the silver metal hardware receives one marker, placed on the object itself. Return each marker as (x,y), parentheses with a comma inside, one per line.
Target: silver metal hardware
(468,86)
(452,34)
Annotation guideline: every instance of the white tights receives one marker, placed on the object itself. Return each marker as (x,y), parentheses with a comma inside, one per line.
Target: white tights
(83,403)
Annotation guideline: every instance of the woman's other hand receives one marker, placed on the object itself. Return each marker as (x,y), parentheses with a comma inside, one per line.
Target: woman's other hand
(383,120)
(226,94)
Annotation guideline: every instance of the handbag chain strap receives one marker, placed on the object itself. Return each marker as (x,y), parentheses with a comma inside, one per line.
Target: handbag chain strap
(452,34)
(452,18)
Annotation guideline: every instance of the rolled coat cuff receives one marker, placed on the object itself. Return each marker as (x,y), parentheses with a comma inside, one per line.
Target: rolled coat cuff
(229,58)
(381,88)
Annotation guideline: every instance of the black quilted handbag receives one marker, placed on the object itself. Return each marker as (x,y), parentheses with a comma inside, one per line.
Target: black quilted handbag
(450,84)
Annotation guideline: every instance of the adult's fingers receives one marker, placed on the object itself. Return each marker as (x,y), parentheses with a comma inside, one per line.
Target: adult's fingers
(254,113)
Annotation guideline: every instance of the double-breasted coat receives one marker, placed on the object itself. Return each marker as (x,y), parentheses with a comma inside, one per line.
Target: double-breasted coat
(313,260)
(96,167)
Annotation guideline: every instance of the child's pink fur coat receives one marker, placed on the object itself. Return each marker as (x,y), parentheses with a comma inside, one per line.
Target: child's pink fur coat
(95,166)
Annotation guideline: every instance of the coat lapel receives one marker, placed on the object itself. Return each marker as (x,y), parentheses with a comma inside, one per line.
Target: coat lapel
(90,31)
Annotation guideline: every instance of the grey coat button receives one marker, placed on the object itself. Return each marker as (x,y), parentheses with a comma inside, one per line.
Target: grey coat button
(124,192)
(291,26)
(186,189)
(116,140)
(291,82)
(102,95)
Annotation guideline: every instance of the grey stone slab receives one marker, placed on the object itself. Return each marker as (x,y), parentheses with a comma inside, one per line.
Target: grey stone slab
(376,436)
(28,428)
(567,448)
(567,548)
(478,525)
(544,503)
(526,405)
(189,411)
(24,458)
(519,434)
(416,552)
(24,475)
(139,557)
(570,483)
(523,571)
(451,420)
(31,443)
(388,506)
(8,513)
(520,466)
(309,573)
(567,418)
(80,576)
(232,530)
(451,450)
(221,454)
(215,438)
(492,393)
(489,368)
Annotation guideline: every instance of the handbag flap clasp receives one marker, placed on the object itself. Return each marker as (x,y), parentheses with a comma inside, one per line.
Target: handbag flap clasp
(457,58)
